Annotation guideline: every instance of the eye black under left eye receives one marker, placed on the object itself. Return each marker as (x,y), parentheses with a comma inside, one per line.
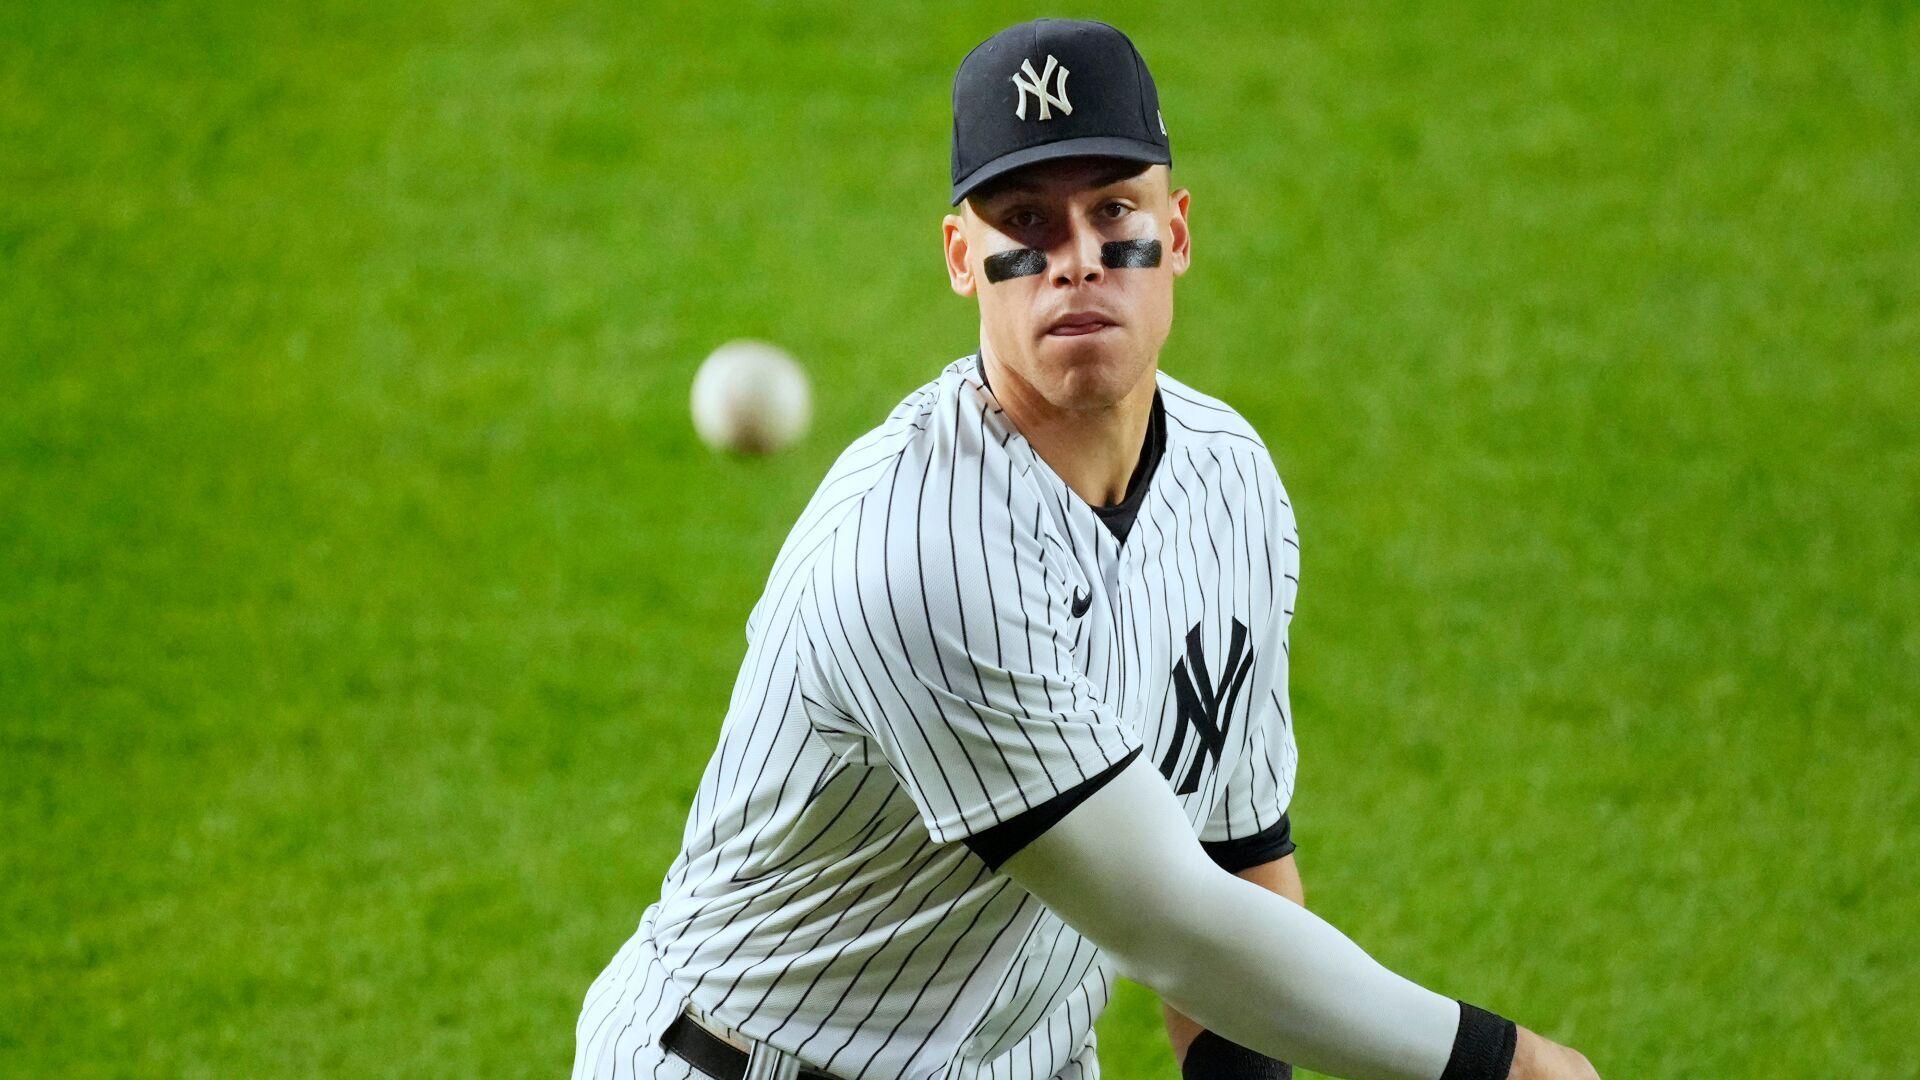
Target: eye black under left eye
(1125,254)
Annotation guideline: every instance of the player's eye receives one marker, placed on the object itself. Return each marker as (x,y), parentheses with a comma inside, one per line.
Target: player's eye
(1021,219)
(1116,209)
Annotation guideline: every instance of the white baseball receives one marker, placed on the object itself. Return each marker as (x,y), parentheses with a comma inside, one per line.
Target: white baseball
(750,397)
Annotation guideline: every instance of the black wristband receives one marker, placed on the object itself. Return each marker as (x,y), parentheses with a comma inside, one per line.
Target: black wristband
(1482,1046)
(1211,1057)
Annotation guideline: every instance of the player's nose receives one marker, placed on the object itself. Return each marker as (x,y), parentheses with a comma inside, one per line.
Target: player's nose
(1076,258)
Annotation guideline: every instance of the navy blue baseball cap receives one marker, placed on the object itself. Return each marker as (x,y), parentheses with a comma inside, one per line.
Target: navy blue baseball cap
(1052,88)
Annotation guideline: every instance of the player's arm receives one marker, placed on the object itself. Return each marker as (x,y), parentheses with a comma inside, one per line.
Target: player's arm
(1280,876)
(1125,870)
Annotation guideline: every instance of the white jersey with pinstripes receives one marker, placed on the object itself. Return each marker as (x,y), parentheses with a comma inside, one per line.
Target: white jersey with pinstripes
(949,637)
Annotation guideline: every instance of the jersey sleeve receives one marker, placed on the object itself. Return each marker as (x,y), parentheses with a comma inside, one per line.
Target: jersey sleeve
(1248,824)
(939,629)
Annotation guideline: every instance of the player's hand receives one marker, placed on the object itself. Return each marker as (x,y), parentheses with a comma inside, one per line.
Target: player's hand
(1535,1058)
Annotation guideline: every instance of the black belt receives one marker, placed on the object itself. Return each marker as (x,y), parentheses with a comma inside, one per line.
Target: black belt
(712,1054)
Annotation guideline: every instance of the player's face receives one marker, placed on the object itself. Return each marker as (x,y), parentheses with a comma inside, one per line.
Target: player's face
(1073,261)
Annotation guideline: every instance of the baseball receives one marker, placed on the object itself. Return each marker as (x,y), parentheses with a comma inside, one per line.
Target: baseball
(750,397)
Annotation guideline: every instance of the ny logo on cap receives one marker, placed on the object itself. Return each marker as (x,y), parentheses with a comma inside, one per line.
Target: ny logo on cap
(1037,86)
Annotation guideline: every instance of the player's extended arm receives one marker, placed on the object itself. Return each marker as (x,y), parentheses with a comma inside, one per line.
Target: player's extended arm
(1125,870)
(1279,876)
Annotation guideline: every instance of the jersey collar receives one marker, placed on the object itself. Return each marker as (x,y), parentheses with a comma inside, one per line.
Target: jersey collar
(1118,519)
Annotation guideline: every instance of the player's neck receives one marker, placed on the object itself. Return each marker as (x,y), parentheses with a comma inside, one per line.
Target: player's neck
(1094,450)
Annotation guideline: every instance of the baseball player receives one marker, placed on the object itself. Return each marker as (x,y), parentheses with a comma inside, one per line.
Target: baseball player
(1013,716)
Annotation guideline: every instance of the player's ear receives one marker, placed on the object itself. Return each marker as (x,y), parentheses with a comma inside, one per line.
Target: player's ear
(959,275)
(1182,254)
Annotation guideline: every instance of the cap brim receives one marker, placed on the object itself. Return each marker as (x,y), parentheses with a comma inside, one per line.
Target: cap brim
(1107,146)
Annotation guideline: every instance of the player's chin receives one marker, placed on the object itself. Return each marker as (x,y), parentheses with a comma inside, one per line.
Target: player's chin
(1087,369)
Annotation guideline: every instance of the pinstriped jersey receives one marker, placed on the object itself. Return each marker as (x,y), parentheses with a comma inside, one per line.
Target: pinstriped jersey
(950,638)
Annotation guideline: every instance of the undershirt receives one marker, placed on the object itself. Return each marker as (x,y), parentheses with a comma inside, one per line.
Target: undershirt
(1119,517)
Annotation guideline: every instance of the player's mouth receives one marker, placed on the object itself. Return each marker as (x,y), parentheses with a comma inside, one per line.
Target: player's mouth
(1076,325)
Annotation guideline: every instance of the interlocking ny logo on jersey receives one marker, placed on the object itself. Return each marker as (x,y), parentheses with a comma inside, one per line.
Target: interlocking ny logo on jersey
(1037,86)
(1205,708)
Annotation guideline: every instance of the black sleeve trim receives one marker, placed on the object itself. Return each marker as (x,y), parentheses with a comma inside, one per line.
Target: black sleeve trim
(996,844)
(1210,1057)
(1233,856)
(1483,1046)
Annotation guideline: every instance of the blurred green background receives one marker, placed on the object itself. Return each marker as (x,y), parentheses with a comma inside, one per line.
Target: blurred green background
(368,608)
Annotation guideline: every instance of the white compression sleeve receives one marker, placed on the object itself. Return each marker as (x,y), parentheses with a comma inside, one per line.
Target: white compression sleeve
(1125,869)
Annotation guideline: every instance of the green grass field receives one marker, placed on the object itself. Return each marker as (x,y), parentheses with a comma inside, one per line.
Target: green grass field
(368,608)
